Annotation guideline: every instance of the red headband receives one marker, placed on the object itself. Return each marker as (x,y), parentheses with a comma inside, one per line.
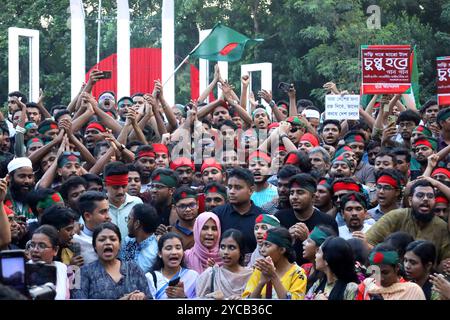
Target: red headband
(388,180)
(160,148)
(349,186)
(291,159)
(443,171)
(142,154)
(441,200)
(310,138)
(96,126)
(423,142)
(181,162)
(273,125)
(284,106)
(211,163)
(117,180)
(261,155)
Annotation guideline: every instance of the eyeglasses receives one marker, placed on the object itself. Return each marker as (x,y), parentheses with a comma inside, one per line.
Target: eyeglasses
(183,207)
(157,186)
(294,129)
(384,187)
(39,246)
(422,195)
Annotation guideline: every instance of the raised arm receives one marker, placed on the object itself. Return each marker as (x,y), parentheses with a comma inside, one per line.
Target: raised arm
(103,116)
(244,93)
(37,155)
(5,230)
(292,101)
(84,152)
(41,107)
(73,103)
(267,96)
(211,86)
(49,175)
(159,94)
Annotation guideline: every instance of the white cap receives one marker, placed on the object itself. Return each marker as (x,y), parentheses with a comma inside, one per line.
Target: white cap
(18,163)
(308,113)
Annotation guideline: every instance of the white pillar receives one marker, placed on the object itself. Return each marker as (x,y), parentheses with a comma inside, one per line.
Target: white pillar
(204,68)
(266,79)
(13,60)
(77,46)
(168,49)
(123,48)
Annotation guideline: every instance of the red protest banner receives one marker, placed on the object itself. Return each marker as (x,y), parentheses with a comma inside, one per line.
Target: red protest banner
(443,80)
(386,69)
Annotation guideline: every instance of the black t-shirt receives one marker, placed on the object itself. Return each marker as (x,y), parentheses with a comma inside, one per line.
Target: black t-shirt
(230,218)
(288,219)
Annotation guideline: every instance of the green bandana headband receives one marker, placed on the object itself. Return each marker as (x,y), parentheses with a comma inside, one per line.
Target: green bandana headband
(50,201)
(275,238)
(257,109)
(46,127)
(444,115)
(34,140)
(318,236)
(269,219)
(166,180)
(384,257)
(423,130)
(30,125)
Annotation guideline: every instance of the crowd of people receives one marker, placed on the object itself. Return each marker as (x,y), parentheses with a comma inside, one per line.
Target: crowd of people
(230,199)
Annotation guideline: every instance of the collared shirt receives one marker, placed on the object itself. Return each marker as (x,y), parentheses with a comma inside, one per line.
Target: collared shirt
(96,283)
(86,249)
(402,220)
(143,254)
(262,197)
(376,213)
(187,235)
(119,215)
(230,218)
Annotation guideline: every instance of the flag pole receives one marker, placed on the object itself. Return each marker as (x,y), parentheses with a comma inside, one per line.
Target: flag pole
(182,62)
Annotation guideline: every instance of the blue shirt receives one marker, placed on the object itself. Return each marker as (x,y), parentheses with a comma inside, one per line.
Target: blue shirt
(262,197)
(96,283)
(143,254)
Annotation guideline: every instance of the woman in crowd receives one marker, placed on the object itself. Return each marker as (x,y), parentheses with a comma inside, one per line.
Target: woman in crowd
(227,281)
(263,223)
(44,247)
(335,259)
(169,279)
(418,263)
(310,247)
(386,282)
(205,252)
(109,277)
(276,275)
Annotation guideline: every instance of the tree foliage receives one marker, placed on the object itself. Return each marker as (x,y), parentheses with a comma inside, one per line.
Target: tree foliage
(309,42)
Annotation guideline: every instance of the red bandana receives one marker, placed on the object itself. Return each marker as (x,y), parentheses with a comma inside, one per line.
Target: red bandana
(441,200)
(117,180)
(96,126)
(349,186)
(142,154)
(388,180)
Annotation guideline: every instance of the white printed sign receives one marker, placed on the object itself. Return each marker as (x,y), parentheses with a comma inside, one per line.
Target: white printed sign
(339,107)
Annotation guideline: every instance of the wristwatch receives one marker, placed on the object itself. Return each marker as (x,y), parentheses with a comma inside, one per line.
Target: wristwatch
(284,135)
(122,147)
(272,103)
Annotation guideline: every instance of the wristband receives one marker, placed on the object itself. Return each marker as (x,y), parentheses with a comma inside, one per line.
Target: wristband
(272,103)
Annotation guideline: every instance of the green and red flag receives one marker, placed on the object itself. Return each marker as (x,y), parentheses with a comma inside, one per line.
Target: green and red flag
(443,80)
(222,44)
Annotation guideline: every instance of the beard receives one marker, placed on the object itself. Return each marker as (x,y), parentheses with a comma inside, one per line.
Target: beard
(17,193)
(423,217)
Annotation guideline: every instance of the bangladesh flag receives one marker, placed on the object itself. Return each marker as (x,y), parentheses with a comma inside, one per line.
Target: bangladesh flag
(222,44)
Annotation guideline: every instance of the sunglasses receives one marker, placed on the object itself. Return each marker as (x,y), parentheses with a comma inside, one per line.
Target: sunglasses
(294,129)
(71,153)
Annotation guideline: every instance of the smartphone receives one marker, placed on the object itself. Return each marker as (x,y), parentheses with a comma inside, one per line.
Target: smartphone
(174,282)
(106,74)
(284,86)
(12,269)
(38,274)
(392,119)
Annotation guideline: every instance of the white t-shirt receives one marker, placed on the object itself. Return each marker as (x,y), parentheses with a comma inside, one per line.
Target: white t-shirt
(345,233)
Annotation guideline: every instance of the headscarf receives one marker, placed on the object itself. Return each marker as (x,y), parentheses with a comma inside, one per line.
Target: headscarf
(197,257)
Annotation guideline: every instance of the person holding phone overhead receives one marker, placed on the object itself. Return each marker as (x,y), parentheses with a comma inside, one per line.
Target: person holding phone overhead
(169,278)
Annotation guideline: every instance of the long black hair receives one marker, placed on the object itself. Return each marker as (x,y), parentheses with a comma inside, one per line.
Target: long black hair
(340,259)
(159,263)
(237,236)
(425,250)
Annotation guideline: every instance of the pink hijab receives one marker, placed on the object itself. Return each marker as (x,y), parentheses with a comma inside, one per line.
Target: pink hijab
(197,257)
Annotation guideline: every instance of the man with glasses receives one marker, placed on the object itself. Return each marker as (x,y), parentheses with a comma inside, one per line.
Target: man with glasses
(389,189)
(185,204)
(164,182)
(418,221)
